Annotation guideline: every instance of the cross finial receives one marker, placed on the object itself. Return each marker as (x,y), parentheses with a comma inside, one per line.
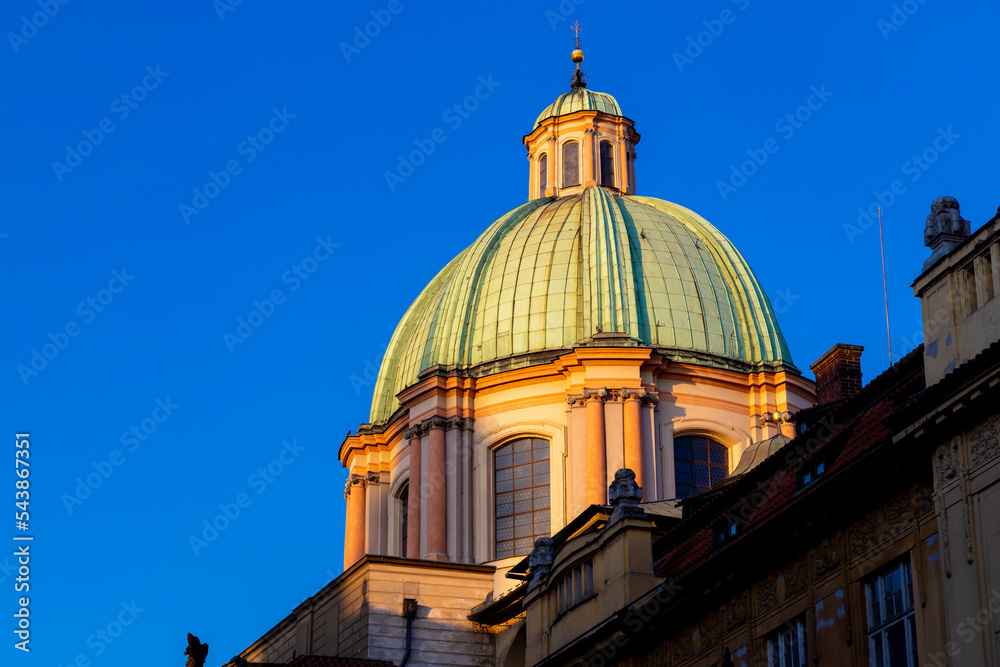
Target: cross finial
(578,80)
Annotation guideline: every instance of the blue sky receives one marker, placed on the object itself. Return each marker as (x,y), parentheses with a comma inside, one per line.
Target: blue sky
(278,139)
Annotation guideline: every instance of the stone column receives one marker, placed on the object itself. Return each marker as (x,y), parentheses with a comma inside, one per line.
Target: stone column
(415,495)
(633,430)
(354,533)
(597,474)
(437,492)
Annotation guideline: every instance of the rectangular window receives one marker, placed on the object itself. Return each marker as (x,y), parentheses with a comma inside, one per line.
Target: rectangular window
(575,586)
(607,165)
(726,530)
(967,291)
(786,646)
(892,638)
(522,495)
(699,464)
(811,472)
(571,164)
(986,276)
(404,508)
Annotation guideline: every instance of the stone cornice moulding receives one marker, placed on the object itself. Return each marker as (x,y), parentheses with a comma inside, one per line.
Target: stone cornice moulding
(370,441)
(435,381)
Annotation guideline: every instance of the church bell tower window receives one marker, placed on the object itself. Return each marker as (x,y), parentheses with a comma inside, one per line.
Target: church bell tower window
(543,174)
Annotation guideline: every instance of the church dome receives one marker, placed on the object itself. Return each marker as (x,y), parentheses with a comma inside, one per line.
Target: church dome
(554,273)
(580,99)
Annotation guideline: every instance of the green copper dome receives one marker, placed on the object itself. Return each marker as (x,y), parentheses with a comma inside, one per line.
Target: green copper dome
(553,272)
(580,99)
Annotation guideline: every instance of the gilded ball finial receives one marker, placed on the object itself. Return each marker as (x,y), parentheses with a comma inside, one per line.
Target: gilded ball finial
(577,56)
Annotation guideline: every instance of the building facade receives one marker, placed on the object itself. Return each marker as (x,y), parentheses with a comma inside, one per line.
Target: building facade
(588,444)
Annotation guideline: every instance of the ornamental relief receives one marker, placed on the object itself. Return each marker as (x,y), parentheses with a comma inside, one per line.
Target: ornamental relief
(923,496)
(684,648)
(947,460)
(797,578)
(766,594)
(734,613)
(890,521)
(659,656)
(711,630)
(827,554)
(985,442)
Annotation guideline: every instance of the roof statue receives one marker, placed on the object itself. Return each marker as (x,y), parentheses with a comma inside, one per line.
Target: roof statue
(624,495)
(196,652)
(540,560)
(944,218)
(945,229)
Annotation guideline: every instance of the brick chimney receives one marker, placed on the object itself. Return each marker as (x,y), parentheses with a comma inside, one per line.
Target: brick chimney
(838,373)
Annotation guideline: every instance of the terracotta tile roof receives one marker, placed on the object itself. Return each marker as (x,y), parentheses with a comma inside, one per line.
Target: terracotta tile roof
(852,431)
(326,661)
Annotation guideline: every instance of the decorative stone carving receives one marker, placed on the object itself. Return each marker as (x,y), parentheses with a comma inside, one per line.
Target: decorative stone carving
(985,442)
(373,478)
(797,578)
(196,652)
(711,630)
(948,460)
(684,648)
(924,499)
(540,561)
(827,554)
(436,422)
(354,480)
(944,230)
(600,394)
(766,594)
(735,611)
(887,523)
(945,218)
(625,495)
(659,656)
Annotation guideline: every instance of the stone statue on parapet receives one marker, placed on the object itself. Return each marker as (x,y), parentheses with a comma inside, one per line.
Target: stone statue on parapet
(945,218)
(945,229)
(540,560)
(196,652)
(624,494)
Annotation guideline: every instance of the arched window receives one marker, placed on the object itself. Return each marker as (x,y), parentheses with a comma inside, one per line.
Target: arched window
(404,512)
(607,165)
(521,485)
(571,164)
(543,174)
(699,464)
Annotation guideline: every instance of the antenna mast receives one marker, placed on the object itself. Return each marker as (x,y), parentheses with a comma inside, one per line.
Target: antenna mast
(885,289)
